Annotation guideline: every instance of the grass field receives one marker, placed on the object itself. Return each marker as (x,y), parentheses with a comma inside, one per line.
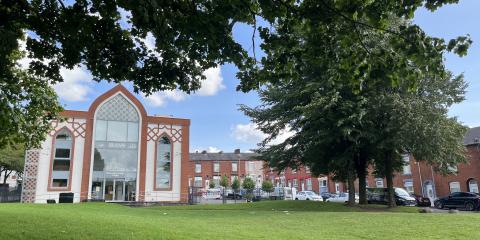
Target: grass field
(264,220)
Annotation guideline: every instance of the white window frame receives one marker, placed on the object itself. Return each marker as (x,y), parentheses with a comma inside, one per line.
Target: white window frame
(454,187)
(198,167)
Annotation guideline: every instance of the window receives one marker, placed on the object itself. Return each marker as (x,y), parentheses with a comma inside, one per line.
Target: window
(323,185)
(408,184)
(295,183)
(216,167)
(379,182)
(472,186)
(216,180)
(289,183)
(62,156)
(234,166)
(198,168)
(197,182)
(251,166)
(282,181)
(407,170)
(454,187)
(309,184)
(163,163)
(337,187)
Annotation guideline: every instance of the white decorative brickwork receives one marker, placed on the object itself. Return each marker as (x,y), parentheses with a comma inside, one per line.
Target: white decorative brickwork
(118,109)
(30,176)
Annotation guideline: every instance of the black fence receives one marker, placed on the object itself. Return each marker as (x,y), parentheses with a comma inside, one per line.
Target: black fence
(10,195)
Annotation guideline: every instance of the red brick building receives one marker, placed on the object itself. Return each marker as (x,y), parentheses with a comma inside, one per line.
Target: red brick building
(206,167)
(416,177)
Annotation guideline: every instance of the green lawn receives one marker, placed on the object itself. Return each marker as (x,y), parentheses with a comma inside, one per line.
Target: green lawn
(264,220)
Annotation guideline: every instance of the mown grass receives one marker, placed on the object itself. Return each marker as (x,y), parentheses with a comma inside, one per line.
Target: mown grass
(262,220)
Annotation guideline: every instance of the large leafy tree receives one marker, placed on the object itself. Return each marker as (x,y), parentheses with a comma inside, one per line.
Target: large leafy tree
(327,87)
(190,37)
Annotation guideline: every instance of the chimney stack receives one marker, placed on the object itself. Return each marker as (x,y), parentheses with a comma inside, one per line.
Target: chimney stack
(204,151)
(237,151)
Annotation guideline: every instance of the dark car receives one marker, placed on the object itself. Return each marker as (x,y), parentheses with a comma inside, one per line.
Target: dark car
(466,200)
(422,201)
(379,196)
(327,195)
(234,196)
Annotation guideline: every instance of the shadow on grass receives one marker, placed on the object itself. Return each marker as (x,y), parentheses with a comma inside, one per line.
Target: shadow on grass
(307,206)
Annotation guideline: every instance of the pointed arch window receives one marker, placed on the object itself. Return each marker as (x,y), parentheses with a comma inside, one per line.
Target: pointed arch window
(62,160)
(163,164)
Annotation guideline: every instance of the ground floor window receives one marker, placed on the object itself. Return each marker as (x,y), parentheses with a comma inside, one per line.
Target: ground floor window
(408,184)
(473,185)
(295,183)
(379,182)
(454,187)
(309,184)
(197,182)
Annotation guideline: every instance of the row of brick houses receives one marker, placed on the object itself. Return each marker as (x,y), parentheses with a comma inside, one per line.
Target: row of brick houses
(417,177)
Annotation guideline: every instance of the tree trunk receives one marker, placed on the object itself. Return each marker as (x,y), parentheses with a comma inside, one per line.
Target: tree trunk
(389,177)
(351,187)
(361,168)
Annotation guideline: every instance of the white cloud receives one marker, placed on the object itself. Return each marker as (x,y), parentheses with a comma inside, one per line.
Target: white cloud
(249,133)
(210,86)
(159,99)
(213,84)
(209,149)
(74,87)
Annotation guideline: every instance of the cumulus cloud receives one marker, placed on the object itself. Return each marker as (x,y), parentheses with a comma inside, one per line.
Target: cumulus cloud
(210,87)
(74,87)
(209,149)
(159,99)
(213,84)
(249,133)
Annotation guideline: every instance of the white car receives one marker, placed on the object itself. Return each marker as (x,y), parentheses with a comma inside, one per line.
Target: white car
(308,195)
(342,198)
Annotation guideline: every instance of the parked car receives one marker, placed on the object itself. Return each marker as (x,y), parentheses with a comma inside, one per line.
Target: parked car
(327,195)
(422,201)
(232,196)
(342,198)
(308,195)
(466,200)
(379,196)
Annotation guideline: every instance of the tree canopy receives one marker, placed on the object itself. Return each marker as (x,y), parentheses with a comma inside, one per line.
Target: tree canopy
(11,160)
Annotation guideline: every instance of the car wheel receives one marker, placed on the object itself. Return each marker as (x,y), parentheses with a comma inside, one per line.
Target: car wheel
(469,206)
(439,205)
(296,198)
(307,199)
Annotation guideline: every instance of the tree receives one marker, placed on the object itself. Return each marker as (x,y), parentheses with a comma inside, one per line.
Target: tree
(235,187)
(211,184)
(165,45)
(328,90)
(12,158)
(249,185)
(267,186)
(224,181)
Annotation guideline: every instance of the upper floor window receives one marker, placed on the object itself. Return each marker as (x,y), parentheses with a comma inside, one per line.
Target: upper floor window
(234,166)
(407,170)
(251,166)
(198,168)
(216,167)
(163,163)
(62,156)
(379,182)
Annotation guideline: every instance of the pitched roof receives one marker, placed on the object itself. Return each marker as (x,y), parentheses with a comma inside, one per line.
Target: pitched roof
(472,136)
(222,156)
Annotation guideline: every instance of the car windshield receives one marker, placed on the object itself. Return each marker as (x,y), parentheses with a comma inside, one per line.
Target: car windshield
(310,193)
(401,192)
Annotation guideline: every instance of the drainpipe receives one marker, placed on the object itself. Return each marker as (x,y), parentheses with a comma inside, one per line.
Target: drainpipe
(434,186)
(421,181)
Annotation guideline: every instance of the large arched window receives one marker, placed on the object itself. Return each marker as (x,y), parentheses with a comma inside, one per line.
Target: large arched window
(163,164)
(61,160)
(115,153)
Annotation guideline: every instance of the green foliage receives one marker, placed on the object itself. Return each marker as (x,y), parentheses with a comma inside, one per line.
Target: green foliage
(211,184)
(11,159)
(224,181)
(267,186)
(248,184)
(235,184)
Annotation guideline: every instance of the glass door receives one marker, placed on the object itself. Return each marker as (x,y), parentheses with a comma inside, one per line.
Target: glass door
(109,186)
(119,193)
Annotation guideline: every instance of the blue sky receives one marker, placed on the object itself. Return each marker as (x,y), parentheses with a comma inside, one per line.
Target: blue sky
(216,123)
